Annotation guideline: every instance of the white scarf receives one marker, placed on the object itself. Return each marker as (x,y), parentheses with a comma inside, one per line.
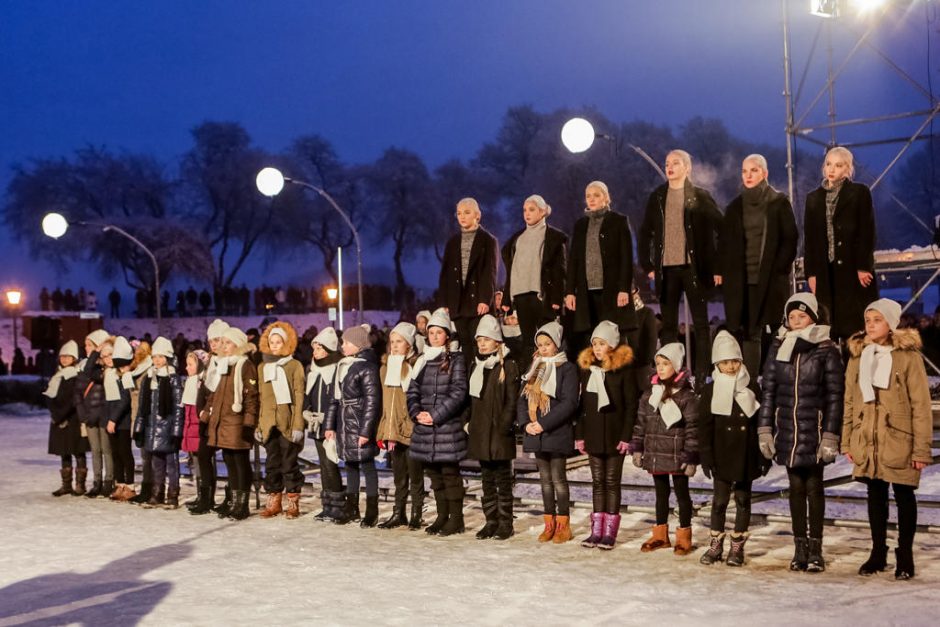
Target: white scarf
(111,390)
(814,334)
(596,384)
(62,374)
(324,373)
(729,389)
(874,370)
(155,372)
(235,362)
(393,376)
(128,378)
(212,376)
(668,410)
(549,380)
(342,369)
(430,353)
(476,377)
(190,390)
(274,374)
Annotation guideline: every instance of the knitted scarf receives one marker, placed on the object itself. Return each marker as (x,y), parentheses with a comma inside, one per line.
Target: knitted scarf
(874,370)
(273,372)
(476,377)
(729,389)
(62,374)
(814,334)
(541,383)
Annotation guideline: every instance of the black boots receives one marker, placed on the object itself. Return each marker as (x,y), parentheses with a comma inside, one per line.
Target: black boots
(191,505)
(877,561)
(716,549)
(736,553)
(95,490)
(157,498)
(397,519)
(66,487)
(204,502)
(372,512)
(326,498)
(146,489)
(441,503)
(800,549)
(504,510)
(454,522)
(417,507)
(239,509)
(491,512)
(225,507)
(905,563)
(814,558)
(350,510)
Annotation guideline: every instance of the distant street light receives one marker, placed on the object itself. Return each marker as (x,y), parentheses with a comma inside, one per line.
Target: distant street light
(331,293)
(14,298)
(578,135)
(270,182)
(55,225)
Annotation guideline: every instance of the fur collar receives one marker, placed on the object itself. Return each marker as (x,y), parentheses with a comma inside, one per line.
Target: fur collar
(901,339)
(620,357)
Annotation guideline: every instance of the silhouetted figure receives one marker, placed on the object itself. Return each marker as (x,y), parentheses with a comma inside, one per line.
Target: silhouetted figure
(58,300)
(114,299)
(205,301)
(44,299)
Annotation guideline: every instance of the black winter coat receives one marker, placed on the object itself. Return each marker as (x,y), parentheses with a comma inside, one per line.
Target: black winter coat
(160,417)
(854,227)
(119,411)
(461,298)
(554,267)
(319,399)
(666,449)
(493,415)
(444,396)
(558,423)
(358,412)
(617,258)
(702,224)
(65,430)
(777,254)
(602,430)
(802,399)
(728,444)
(89,393)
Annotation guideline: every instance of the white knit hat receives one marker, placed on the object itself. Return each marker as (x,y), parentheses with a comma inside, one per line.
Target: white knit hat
(440,318)
(675,353)
(424,313)
(122,349)
(162,346)
(805,302)
(607,331)
(489,327)
(69,348)
(98,337)
(235,336)
(554,332)
(216,329)
(406,331)
(725,347)
(889,309)
(278,331)
(328,339)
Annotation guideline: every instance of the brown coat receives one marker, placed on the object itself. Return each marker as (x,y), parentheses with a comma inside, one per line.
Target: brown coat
(396,425)
(290,417)
(886,435)
(226,428)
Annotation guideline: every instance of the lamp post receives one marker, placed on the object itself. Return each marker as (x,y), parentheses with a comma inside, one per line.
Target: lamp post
(55,225)
(14,298)
(578,136)
(270,182)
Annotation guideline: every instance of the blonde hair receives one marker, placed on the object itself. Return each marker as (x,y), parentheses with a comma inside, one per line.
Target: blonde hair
(473,204)
(601,185)
(539,202)
(846,155)
(760,160)
(685,158)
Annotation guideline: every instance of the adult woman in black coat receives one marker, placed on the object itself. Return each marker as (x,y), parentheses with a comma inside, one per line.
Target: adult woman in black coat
(839,241)
(437,397)
(600,268)
(65,431)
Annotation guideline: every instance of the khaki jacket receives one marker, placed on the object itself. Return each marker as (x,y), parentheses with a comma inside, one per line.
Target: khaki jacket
(286,418)
(396,424)
(227,428)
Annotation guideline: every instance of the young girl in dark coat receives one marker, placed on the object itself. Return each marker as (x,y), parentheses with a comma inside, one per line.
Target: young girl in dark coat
(728,446)
(546,413)
(352,419)
(494,390)
(65,431)
(801,419)
(665,444)
(437,396)
(317,400)
(605,426)
(92,412)
(118,399)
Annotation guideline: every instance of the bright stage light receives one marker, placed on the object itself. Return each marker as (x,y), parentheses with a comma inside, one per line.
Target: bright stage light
(54,225)
(577,135)
(866,6)
(270,181)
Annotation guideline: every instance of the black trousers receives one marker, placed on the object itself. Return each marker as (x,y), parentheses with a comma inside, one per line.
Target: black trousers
(806,493)
(330,478)
(466,329)
(531,313)
(367,468)
(676,281)
(742,503)
(681,485)
(122,455)
(606,473)
(281,466)
(205,457)
(752,333)
(497,483)
(553,475)
(878,512)
(238,467)
(409,476)
(445,479)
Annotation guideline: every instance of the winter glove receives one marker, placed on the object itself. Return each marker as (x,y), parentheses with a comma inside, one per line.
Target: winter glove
(707,471)
(579,444)
(638,460)
(381,444)
(767,448)
(139,439)
(259,437)
(297,436)
(828,448)
(689,469)
(623,448)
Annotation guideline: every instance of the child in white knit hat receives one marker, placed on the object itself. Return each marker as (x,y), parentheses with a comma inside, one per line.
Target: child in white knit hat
(65,431)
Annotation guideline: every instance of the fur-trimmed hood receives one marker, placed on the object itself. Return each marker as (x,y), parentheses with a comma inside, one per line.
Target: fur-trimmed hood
(901,339)
(290,345)
(620,357)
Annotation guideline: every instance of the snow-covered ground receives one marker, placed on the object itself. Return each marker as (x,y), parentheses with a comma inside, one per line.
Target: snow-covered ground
(82,561)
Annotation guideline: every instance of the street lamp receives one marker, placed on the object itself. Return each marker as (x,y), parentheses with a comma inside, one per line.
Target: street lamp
(14,298)
(55,225)
(270,182)
(331,293)
(578,136)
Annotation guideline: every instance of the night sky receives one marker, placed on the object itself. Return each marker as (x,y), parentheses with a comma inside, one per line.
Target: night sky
(431,76)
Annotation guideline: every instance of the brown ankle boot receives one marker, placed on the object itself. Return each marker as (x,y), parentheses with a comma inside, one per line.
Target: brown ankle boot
(549,531)
(562,530)
(293,505)
(80,475)
(683,541)
(66,487)
(659,539)
(273,507)
(118,491)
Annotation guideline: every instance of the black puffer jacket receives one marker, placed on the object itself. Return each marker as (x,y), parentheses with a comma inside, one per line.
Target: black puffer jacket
(444,396)
(89,393)
(666,449)
(357,413)
(802,399)
(728,444)
(159,423)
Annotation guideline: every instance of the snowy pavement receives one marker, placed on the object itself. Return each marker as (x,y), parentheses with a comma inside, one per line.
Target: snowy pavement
(91,562)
